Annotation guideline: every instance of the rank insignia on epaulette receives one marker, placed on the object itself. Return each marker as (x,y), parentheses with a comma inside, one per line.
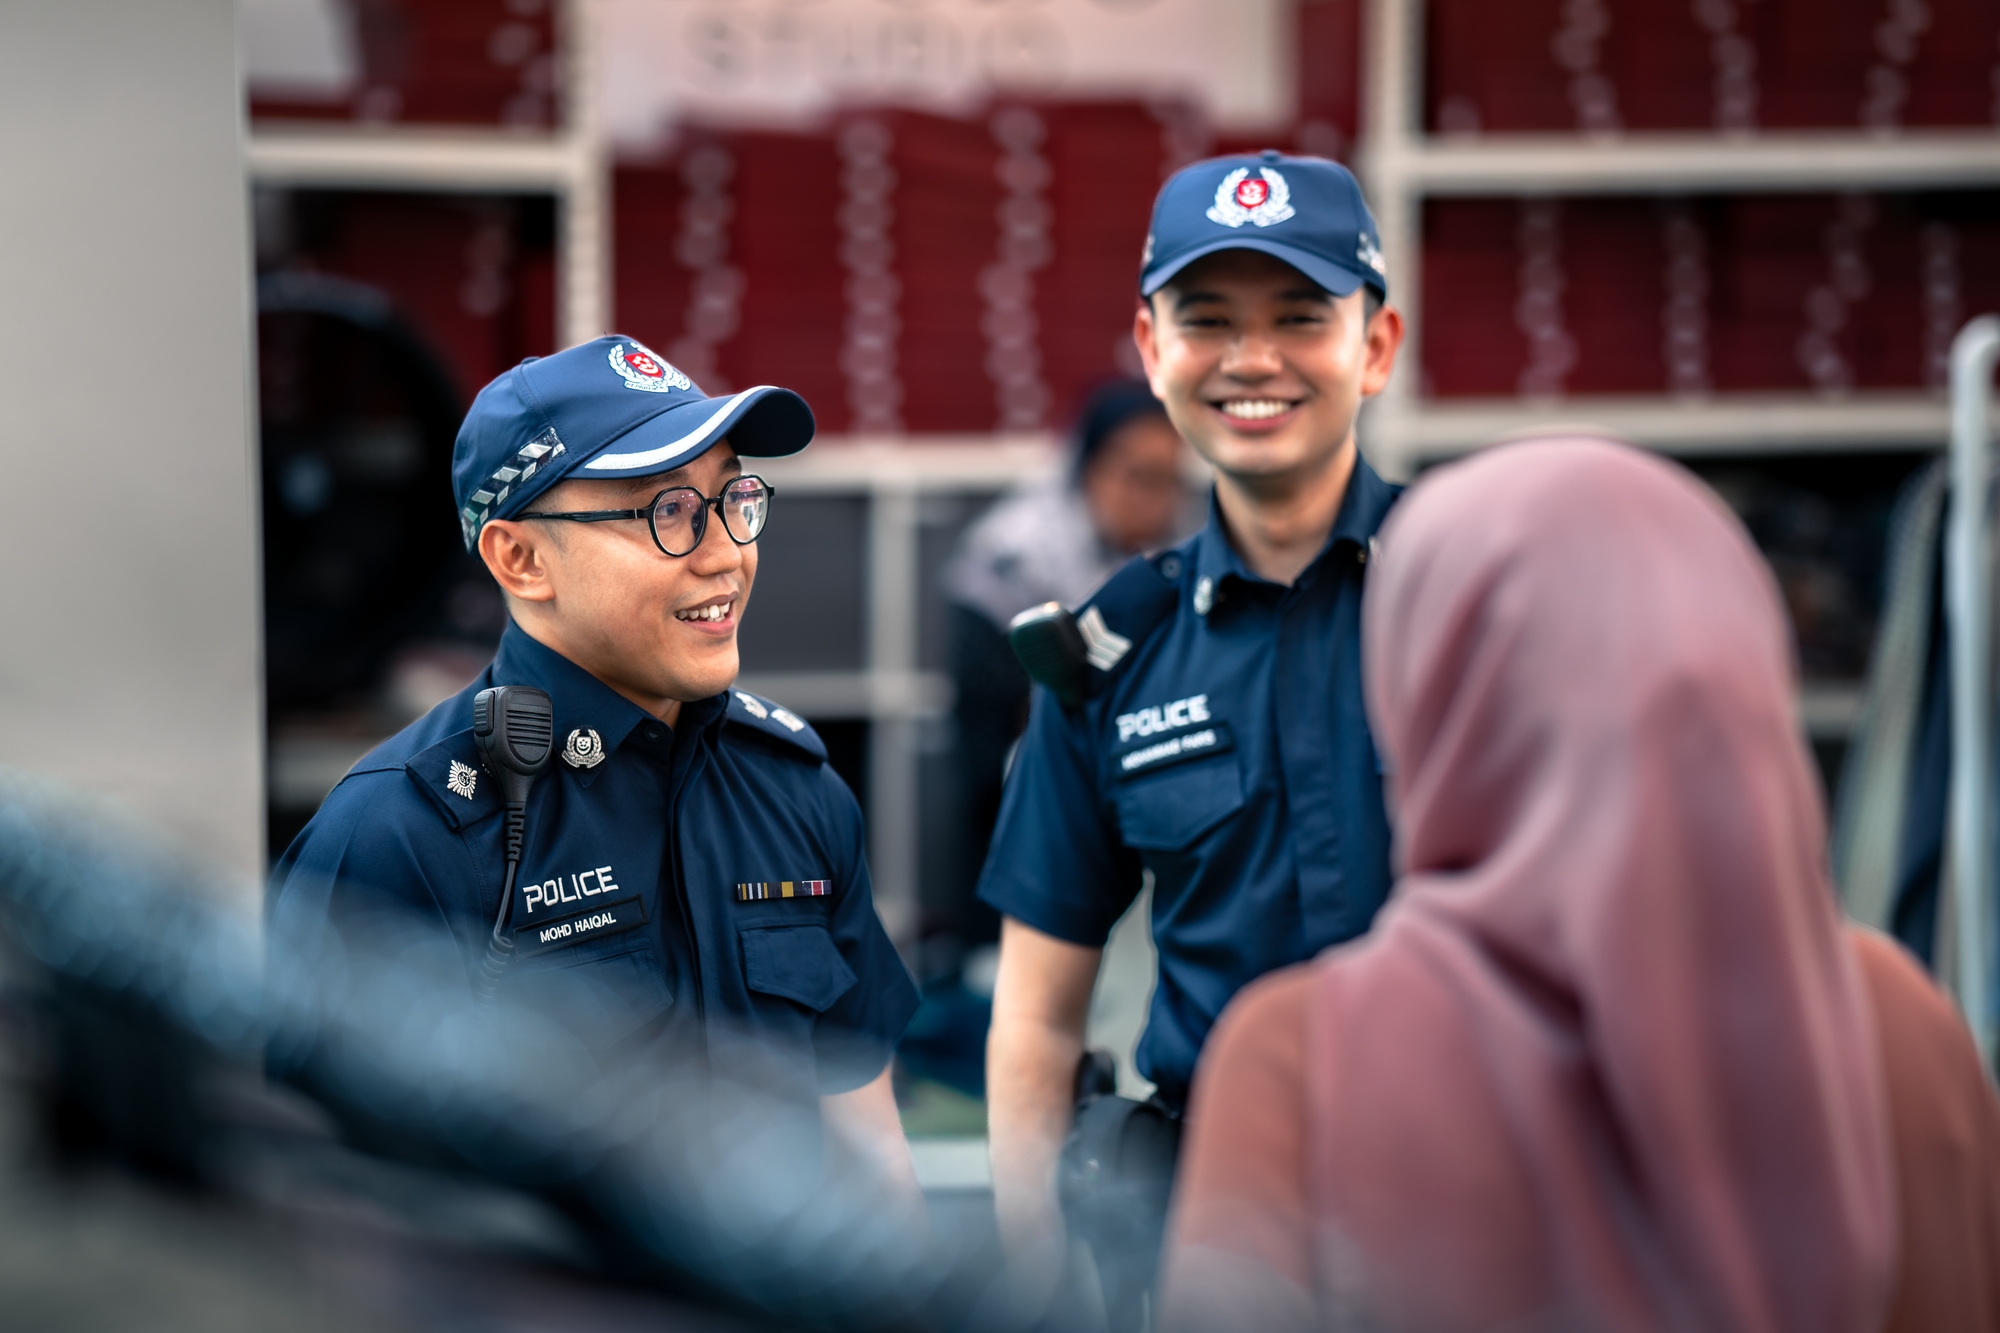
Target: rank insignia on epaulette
(764,889)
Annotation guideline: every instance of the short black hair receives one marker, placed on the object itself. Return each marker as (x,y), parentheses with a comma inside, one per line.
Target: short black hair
(1110,405)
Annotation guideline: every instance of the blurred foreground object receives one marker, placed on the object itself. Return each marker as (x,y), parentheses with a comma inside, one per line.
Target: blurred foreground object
(520,1177)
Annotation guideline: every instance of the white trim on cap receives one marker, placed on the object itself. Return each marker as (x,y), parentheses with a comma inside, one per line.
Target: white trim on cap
(604,462)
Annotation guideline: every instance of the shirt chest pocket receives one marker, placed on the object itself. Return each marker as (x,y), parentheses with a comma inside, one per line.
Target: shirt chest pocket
(1171,810)
(606,988)
(799,962)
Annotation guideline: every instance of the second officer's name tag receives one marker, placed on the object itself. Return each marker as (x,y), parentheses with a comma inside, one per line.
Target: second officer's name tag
(1194,743)
(609,919)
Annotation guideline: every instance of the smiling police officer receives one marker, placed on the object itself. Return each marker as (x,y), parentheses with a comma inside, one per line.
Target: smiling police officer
(1222,745)
(689,862)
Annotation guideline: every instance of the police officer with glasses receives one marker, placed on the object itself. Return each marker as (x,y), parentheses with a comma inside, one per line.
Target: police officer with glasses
(687,863)
(1222,744)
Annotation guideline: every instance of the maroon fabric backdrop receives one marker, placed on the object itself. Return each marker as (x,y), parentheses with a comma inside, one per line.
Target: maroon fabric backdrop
(1803,63)
(475,275)
(1795,293)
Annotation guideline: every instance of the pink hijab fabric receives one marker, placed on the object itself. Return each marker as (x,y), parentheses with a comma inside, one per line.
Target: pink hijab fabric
(1604,1063)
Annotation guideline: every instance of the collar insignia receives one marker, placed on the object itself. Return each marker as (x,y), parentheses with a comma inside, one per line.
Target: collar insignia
(463,779)
(753,705)
(584,750)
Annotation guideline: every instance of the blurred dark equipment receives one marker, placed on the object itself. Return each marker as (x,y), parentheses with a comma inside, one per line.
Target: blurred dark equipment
(521,1179)
(514,728)
(360,547)
(1114,1178)
(1050,648)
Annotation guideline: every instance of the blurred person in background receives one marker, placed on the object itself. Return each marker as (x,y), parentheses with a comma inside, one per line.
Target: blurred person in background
(1609,1059)
(1222,745)
(690,865)
(1054,541)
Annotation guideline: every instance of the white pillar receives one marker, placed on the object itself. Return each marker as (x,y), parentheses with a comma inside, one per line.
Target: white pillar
(1391,123)
(894,761)
(583,218)
(130,634)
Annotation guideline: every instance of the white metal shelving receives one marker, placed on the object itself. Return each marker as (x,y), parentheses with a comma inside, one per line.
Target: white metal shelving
(1402,166)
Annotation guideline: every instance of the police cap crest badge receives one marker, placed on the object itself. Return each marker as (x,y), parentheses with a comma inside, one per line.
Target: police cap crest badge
(640,369)
(585,749)
(1264,199)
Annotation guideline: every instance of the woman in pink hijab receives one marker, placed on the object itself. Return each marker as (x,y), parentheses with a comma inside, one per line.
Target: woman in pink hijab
(1606,1061)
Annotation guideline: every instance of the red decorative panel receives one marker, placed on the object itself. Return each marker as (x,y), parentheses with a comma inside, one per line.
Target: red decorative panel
(475,275)
(725,262)
(1108,162)
(946,236)
(1810,293)
(904,271)
(1329,63)
(1734,65)
(445,62)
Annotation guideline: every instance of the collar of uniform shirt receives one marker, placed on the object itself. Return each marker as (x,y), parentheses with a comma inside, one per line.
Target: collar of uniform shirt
(582,701)
(1362,509)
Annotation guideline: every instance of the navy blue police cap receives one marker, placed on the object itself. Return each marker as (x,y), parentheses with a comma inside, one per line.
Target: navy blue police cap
(605,408)
(1306,211)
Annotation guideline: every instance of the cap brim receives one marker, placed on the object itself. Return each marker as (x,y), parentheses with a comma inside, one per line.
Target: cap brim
(1337,279)
(761,422)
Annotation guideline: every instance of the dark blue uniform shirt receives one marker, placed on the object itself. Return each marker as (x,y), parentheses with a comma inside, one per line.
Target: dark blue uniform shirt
(1227,751)
(713,871)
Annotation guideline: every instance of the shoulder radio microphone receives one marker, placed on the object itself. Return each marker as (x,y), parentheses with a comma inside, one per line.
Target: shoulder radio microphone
(1051,650)
(514,727)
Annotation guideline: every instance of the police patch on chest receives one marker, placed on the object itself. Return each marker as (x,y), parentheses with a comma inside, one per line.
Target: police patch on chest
(1195,742)
(580,927)
(576,887)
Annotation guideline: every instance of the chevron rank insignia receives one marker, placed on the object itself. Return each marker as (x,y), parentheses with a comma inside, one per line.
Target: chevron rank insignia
(764,889)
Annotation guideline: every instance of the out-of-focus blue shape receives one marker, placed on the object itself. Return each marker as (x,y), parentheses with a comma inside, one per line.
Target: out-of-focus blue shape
(649,1167)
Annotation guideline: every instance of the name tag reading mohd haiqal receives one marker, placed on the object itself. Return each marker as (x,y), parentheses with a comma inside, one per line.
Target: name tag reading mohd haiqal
(1194,743)
(579,927)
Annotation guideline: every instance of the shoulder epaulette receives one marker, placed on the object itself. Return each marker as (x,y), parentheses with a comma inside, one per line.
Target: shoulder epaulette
(1133,603)
(452,774)
(776,721)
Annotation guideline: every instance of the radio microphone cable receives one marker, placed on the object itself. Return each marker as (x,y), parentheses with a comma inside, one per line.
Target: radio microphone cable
(514,727)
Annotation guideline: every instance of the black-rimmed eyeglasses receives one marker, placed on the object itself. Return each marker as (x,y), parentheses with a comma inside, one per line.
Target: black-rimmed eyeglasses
(678,515)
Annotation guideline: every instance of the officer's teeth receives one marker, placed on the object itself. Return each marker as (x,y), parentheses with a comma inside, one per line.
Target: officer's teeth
(1255,409)
(716,612)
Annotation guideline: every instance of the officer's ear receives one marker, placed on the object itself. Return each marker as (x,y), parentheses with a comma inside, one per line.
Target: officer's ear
(518,555)
(1382,337)
(1145,336)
